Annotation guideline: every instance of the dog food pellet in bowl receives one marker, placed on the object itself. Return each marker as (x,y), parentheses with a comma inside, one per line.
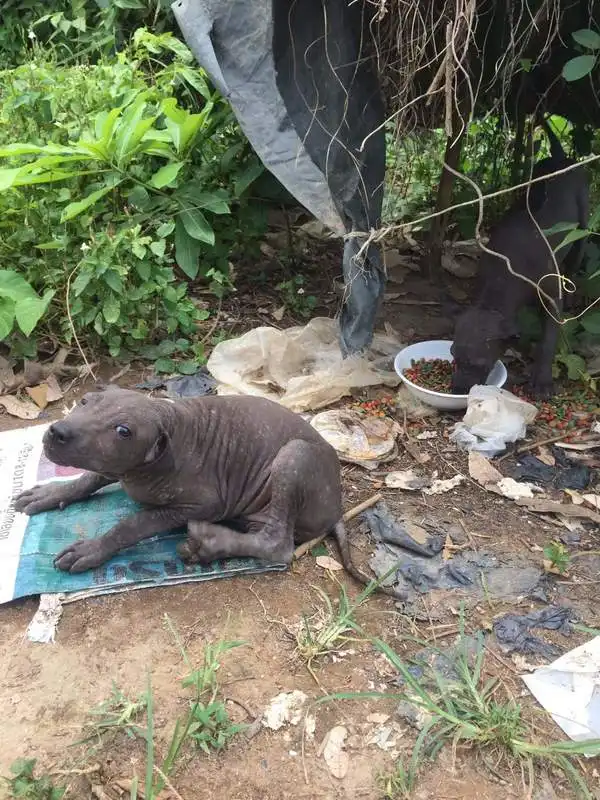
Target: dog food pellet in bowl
(431,373)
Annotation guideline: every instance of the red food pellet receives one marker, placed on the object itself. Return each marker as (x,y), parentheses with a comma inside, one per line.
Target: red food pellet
(431,373)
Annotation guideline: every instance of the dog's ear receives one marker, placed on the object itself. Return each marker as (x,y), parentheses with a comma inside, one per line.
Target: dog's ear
(159,448)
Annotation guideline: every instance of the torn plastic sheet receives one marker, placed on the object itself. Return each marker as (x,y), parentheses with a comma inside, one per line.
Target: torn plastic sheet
(301,367)
(420,565)
(563,475)
(513,631)
(569,689)
(301,84)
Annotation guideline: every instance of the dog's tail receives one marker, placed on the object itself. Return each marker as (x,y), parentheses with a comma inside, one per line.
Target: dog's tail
(341,537)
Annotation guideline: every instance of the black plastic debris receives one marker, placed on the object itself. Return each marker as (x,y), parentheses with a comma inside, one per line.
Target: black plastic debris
(420,567)
(565,474)
(198,385)
(513,631)
(301,81)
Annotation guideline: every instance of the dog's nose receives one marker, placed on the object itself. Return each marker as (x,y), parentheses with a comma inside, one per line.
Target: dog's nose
(60,432)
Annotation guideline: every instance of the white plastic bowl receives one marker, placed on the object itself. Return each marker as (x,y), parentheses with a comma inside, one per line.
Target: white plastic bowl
(440,349)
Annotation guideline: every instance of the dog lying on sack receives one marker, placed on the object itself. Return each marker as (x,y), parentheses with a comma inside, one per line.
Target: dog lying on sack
(482,332)
(247,476)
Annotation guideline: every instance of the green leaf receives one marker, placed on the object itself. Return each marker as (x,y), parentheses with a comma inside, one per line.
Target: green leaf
(164,365)
(139,197)
(246,178)
(80,283)
(573,236)
(196,79)
(111,309)
(215,202)
(166,229)
(7,316)
(30,310)
(197,226)
(560,227)
(187,251)
(14,286)
(587,38)
(578,67)
(8,177)
(166,175)
(158,248)
(591,322)
(113,279)
(79,206)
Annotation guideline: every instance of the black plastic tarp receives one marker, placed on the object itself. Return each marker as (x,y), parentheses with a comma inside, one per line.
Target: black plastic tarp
(300,81)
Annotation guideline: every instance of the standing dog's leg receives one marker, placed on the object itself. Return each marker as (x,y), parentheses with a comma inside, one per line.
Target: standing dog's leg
(541,383)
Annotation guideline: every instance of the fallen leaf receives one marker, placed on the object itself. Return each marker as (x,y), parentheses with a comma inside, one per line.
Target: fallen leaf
(332,749)
(448,548)
(481,470)
(39,394)
(552,569)
(326,562)
(419,457)
(593,500)
(378,719)
(54,391)
(416,532)
(576,498)
(542,506)
(278,313)
(545,456)
(439,486)
(23,409)
(405,479)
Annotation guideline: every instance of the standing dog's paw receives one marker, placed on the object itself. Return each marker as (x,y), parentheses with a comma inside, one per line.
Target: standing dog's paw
(540,390)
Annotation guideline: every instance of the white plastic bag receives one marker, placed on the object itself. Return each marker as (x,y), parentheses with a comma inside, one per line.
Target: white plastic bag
(302,367)
(494,417)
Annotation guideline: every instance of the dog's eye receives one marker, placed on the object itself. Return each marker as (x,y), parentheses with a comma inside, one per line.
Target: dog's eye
(123,431)
(83,401)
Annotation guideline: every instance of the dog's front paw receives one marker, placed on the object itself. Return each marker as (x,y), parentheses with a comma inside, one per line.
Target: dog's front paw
(81,556)
(41,498)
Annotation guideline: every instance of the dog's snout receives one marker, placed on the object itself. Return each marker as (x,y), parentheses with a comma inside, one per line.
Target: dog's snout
(60,432)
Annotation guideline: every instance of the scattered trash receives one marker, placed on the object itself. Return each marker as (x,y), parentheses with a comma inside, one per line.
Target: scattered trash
(542,506)
(197,385)
(413,557)
(494,417)
(513,631)
(285,708)
(562,475)
(358,438)
(442,486)
(385,736)
(332,750)
(405,479)
(301,367)
(482,471)
(412,406)
(425,435)
(326,562)
(568,689)
(23,409)
(413,714)
(42,627)
(514,490)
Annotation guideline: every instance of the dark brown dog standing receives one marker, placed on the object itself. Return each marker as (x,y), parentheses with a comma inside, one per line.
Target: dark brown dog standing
(247,476)
(482,331)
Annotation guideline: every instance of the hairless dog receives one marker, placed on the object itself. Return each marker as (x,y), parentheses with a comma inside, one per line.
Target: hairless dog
(247,476)
(482,331)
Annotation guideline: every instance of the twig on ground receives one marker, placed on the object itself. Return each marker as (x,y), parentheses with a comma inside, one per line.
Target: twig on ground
(302,549)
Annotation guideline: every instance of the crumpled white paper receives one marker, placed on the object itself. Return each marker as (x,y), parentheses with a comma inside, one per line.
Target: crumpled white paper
(569,689)
(494,417)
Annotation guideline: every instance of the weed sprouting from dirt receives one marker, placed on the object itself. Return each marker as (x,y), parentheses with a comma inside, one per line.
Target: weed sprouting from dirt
(468,710)
(117,713)
(26,786)
(332,626)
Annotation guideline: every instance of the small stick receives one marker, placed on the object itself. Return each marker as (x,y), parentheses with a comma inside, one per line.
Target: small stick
(524,448)
(302,549)
(168,783)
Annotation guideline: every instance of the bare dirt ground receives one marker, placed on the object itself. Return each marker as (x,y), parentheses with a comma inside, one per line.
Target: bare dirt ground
(47,691)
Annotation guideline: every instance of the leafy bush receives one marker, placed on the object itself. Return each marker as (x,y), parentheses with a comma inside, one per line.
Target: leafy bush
(114,192)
